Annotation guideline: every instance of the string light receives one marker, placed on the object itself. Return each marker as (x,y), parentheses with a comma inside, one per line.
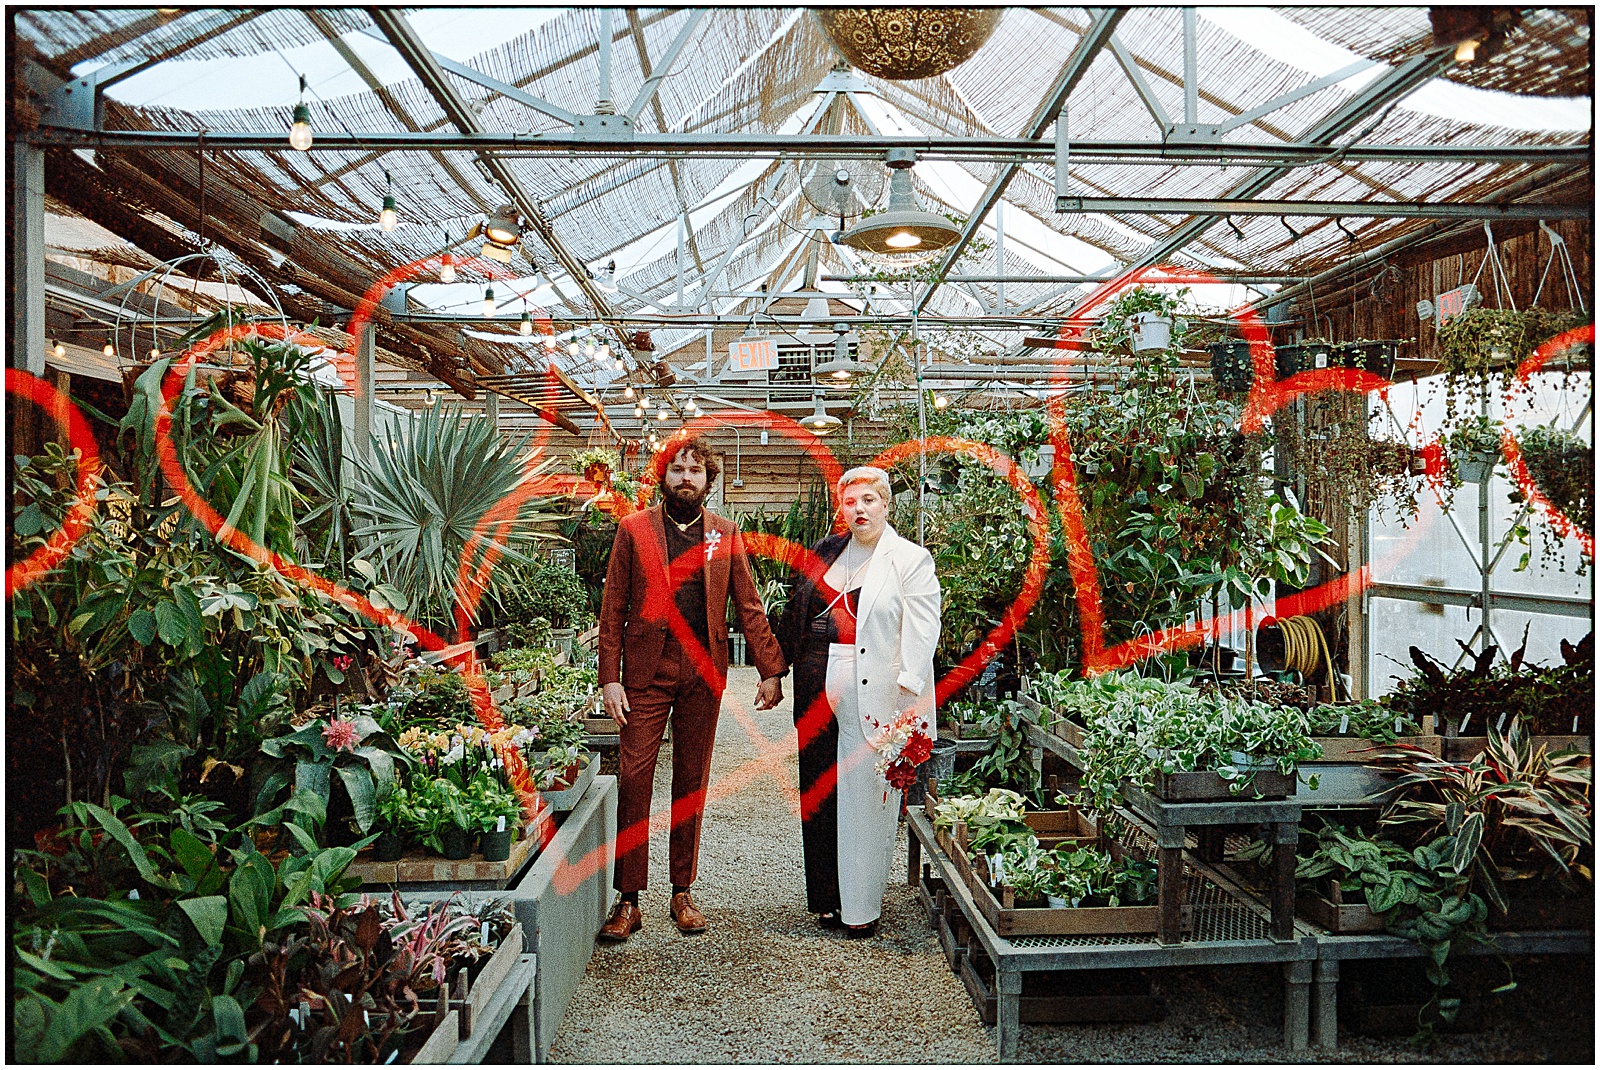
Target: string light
(662,414)
(550,343)
(389,218)
(300,131)
(572,349)
(155,352)
(605,351)
(488,301)
(59,350)
(525,328)
(627,391)
(638,411)
(588,348)
(940,401)
(447,263)
(108,349)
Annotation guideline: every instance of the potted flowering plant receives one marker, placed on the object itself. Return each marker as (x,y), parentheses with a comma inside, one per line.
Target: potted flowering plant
(596,465)
(492,812)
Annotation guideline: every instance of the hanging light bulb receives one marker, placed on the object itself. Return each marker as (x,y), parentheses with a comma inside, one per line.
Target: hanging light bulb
(300,131)
(550,343)
(525,328)
(605,351)
(572,349)
(389,218)
(821,422)
(588,348)
(691,406)
(940,401)
(662,414)
(622,365)
(638,411)
(155,352)
(108,349)
(627,391)
(488,301)
(447,269)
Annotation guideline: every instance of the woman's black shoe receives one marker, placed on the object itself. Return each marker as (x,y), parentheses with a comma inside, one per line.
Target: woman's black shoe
(861,932)
(829,920)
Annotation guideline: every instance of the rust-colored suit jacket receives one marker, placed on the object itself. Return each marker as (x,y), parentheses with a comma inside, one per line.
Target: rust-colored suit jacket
(636,611)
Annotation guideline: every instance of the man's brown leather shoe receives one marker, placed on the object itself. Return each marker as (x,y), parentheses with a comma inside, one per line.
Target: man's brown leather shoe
(686,915)
(625,920)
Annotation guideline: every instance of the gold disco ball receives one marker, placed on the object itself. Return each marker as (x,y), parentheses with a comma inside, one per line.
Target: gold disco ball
(900,43)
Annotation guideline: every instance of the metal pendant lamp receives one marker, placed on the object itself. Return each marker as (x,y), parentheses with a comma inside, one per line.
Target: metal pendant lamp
(842,371)
(820,423)
(905,227)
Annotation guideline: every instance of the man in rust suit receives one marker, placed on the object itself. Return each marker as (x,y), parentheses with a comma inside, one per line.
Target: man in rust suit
(664,649)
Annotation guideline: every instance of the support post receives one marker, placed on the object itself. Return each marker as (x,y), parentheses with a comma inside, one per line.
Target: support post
(491,408)
(1285,837)
(1325,1005)
(1007,1012)
(1191,72)
(27,258)
(1169,898)
(1297,1004)
(364,390)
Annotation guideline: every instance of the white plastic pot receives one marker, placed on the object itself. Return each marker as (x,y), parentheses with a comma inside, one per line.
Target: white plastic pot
(1151,331)
(1475,467)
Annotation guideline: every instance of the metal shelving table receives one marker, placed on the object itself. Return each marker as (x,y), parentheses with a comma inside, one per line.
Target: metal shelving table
(1171,822)
(1230,927)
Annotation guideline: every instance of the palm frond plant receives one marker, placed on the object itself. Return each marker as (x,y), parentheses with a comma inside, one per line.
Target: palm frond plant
(318,467)
(440,503)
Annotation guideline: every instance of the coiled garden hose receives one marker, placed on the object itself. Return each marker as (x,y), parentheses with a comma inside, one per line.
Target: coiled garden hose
(1305,648)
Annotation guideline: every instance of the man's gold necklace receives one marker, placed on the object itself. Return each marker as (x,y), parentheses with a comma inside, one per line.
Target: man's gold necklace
(683,528)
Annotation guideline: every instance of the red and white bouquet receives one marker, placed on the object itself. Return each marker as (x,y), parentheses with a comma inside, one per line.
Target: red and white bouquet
(905,746)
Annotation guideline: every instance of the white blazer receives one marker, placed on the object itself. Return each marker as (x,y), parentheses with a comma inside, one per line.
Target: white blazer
(897,629)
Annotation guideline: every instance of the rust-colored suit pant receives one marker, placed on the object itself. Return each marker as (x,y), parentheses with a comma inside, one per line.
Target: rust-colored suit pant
(676,689)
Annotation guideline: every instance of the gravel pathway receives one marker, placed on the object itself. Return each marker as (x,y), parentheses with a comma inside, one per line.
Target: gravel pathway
(765,985)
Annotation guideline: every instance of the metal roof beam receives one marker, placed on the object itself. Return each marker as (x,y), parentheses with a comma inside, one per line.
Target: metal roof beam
(1400,82)
(1101,31)
(1130,67)
(1214,209)
(1304,152)
(421,60)
(652,82)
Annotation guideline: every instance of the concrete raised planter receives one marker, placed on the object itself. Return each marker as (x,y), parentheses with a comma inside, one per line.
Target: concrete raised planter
(561,902)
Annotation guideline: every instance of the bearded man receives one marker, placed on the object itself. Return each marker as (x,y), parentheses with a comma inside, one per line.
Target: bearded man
(664,651)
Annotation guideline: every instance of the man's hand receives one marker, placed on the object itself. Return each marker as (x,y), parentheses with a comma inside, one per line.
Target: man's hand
(615,699)
(770,693)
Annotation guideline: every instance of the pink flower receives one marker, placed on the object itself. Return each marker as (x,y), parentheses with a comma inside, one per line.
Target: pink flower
(339,735)
(342,662)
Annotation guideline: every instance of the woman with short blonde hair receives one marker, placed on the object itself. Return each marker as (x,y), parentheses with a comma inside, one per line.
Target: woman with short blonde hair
(860,631)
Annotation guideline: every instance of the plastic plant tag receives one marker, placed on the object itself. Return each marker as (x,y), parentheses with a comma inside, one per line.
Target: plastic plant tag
(1397,726)
(483,931)
(500,823)
(1462,727)
(1344,724)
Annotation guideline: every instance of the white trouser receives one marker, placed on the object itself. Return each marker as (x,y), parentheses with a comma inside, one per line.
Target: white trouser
(869,811)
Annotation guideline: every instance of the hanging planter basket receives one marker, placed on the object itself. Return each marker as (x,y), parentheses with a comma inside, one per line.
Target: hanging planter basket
(1475,466)
(1152,332)
(598,473)
(1306,357)
(1232,369)
(1375,357)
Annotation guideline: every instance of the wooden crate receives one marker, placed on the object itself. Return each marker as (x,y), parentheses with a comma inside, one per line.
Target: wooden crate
(1208,786)
(480,992)
(418,866)
(1009,920)
(1466,748)
(1071,731)
(1356,749)
(969,731)
(441,1043)
(1330,910)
